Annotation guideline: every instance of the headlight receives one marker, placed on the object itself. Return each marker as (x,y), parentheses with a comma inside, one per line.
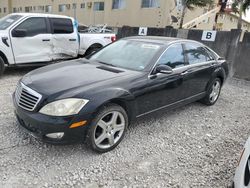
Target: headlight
(64,107)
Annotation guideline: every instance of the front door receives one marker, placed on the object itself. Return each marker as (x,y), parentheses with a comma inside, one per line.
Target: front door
(35,43)
(162,90)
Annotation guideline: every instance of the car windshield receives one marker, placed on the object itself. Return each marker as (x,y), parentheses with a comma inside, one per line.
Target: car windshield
(7,21)
(128,54)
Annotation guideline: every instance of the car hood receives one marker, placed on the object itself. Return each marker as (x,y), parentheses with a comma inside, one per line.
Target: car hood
(70,75)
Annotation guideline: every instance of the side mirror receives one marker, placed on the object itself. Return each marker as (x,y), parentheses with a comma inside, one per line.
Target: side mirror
(19,33)
(164,69)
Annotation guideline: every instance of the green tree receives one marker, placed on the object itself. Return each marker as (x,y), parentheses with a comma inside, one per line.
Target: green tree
(191,4)
(240,7)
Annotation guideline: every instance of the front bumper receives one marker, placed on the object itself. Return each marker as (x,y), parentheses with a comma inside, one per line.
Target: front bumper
(39,125)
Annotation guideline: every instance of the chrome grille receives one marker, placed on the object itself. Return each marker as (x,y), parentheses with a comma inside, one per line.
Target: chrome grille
(27,98)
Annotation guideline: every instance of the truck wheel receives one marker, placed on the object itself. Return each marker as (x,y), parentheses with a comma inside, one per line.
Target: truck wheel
(2,67)
(92,50)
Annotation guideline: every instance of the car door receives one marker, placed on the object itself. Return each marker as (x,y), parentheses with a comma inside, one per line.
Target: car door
(164,90)
(200,69)
(34,43)
(65,40)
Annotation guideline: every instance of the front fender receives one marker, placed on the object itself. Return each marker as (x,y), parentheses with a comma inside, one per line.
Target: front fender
(5,49)
(119,96)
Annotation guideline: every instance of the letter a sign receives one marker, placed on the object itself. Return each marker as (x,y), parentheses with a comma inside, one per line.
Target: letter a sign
(143,31)
(208,35)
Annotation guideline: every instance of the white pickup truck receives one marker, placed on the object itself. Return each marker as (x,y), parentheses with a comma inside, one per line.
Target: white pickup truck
(35,39)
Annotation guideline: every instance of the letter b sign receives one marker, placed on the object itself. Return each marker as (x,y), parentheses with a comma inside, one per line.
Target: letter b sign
(208,36)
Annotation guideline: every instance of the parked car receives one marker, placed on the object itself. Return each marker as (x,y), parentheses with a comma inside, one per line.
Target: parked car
(242,174)
(96,98)
(29,38)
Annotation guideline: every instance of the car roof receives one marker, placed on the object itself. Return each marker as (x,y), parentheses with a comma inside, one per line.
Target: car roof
(160,39)
(41,15)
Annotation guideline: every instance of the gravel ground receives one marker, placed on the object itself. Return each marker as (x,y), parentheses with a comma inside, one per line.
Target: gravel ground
(193,146)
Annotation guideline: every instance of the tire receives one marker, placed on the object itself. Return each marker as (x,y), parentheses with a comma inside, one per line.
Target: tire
(213,93)
(92,50)
(107,129)
(2,67)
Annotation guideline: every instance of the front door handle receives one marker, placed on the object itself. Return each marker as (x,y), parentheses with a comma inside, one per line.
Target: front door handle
(185,72)
(46,40)
(72,39)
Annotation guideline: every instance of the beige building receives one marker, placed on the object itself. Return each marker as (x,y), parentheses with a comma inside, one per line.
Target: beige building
(116,13)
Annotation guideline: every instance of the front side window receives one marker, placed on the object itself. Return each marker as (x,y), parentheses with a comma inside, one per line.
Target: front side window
(7,21)
(196,53)
(118,4)
(33,26)
(127,54)
(61,25)
(173,56)
(150,4)
(98,6)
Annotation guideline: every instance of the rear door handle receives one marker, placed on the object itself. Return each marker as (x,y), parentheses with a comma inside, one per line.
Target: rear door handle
(72,39)
(46,40)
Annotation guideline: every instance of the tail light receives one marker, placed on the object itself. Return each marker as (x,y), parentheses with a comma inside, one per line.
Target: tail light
(113,38)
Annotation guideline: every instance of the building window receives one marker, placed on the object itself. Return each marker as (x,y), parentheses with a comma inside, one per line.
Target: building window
(118,4)
(74,6)
(20,9)
(4,10)
(27,9)
(64,7)
(48,8)
(14,9)
(40,8)
(98,6)
(0,10)
(150,4)
(83,5)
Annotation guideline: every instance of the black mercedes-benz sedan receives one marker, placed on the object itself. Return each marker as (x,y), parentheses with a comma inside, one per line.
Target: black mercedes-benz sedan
(95,98)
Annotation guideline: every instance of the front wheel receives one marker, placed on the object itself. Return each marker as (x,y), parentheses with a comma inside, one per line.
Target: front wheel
(108,128)
(213,93)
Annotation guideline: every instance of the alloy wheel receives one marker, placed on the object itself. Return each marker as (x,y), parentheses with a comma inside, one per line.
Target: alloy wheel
(109,129)
(215,91)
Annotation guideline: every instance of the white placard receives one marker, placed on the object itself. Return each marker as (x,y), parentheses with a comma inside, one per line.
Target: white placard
(143,31)
(208,35)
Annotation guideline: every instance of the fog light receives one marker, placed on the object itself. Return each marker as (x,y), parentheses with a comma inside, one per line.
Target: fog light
(55,135)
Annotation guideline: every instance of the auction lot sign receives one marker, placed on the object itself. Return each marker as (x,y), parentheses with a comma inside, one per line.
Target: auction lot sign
(208,36)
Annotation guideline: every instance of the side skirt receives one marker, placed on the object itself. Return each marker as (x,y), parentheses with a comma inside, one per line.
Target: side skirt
(176,104)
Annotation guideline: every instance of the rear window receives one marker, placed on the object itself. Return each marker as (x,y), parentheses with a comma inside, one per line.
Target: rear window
(61,25)
(7,21)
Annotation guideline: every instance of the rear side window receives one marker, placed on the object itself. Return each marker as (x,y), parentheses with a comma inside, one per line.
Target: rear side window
(33,26)
(196,53)
(173,57)
(61,25)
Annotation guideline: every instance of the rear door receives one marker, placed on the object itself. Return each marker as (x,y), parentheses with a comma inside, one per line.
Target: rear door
(200,69)
(35,46)
(65,40)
